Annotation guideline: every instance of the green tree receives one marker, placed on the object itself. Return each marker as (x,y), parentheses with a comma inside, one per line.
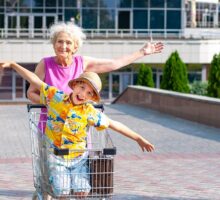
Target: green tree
(214,77)
(145,76)
(175,76)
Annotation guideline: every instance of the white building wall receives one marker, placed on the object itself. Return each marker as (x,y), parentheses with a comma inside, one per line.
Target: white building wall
(191,51)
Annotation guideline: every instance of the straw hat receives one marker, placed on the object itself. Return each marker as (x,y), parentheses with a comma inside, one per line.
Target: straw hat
(92,79)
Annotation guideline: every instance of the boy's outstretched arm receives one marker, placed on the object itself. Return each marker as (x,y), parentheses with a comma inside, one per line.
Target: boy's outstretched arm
(26,74)
(124,130)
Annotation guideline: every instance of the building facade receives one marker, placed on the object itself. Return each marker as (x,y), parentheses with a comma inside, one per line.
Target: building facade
(113,28)
(31,18)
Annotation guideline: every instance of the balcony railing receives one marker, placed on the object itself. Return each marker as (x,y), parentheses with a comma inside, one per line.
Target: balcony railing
(198,33)
(95,33)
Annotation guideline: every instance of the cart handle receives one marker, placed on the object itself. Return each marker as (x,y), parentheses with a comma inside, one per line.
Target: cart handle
(31,106)
(63,152)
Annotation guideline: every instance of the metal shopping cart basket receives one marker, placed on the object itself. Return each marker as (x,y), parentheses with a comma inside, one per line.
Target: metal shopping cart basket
(98,159)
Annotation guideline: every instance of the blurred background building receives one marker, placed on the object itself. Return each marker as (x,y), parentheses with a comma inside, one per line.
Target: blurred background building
(113,28)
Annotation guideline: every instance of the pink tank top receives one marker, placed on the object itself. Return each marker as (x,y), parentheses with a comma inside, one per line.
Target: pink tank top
(59,77)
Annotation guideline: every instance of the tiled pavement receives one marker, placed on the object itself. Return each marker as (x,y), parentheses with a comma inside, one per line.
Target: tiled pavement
(184,166)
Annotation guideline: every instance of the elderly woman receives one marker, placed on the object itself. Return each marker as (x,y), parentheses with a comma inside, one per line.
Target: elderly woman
(57,70)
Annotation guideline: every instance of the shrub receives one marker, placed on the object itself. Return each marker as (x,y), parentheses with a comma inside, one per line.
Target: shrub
(214,77)
(145,76)
(175,75)
(199,88)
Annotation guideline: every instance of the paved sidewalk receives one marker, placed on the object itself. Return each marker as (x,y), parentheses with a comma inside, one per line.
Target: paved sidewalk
(185,165)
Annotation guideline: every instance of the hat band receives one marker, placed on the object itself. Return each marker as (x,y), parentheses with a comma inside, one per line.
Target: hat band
(94,85)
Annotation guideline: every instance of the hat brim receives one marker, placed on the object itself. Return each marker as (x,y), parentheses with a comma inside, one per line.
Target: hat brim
(97,97)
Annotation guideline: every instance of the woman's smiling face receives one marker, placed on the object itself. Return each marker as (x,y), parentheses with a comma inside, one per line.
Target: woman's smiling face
(65,46)
(82,93)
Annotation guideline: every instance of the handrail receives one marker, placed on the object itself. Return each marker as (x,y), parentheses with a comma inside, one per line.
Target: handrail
(33,106)
(43,33)
(93,33)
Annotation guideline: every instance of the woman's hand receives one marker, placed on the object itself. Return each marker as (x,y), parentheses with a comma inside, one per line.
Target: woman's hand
(5,64)
(151,48)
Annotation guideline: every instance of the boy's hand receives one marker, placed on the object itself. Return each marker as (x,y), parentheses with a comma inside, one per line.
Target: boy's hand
(151,48)
(4,64)
(145,145)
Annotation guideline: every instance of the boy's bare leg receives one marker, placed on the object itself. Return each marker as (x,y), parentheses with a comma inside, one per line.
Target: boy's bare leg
(47,197)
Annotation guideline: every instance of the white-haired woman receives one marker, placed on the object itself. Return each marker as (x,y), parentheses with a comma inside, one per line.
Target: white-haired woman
(57,70)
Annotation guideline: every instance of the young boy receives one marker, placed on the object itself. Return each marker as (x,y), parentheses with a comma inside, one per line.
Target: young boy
(67,120)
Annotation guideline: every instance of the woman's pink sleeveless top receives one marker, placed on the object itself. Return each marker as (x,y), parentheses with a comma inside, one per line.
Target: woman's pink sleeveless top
(59,77)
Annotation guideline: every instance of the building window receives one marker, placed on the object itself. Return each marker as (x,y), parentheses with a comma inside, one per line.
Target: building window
(70,3)
(173,4)
(89,18)
(71,15)
(124,19)
(50,10)
(173,19)
(24,10)
(107,19)
(2,21)
(157,3)
(107,4)
(51,3)
(123,3)
(11,6)
(140,4)
(90,3)
(38,10)
(38,3)
(205,14)
(1,3)
(194,76)
(25,3)
(140,20)
(157,19)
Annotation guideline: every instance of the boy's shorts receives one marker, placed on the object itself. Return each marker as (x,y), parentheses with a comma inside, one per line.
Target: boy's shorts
(67,176)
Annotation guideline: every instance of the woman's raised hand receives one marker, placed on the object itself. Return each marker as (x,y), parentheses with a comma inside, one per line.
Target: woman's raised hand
(151,48)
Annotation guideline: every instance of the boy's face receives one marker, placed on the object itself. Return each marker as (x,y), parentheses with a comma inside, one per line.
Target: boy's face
(82,93)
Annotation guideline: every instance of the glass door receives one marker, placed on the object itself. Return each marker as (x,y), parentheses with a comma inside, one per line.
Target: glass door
(38,29)
(27,25)
(24,25)
(11,25)
(49,20)
(126,79)
(41,24)
(114,84)
(17,25)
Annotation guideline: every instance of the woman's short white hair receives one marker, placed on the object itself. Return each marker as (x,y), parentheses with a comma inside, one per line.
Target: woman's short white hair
(70,28)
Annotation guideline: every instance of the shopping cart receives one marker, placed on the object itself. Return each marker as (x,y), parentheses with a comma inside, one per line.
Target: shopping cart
(98,158)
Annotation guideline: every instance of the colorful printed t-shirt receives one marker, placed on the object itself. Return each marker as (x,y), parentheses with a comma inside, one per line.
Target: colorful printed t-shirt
(67,124)
(59,77)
